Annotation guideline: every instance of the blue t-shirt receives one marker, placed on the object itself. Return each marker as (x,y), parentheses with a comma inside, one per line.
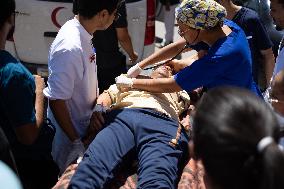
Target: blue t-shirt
(17,96)
(228,62)
(257,37)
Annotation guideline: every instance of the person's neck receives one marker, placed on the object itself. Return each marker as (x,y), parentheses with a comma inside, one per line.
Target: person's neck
(231,9)
(88,24)
(210,37)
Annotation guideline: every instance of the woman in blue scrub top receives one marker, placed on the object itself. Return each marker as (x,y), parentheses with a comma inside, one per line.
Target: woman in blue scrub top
(227,62)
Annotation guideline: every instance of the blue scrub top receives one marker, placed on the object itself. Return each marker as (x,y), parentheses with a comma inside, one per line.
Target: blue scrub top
(228,62)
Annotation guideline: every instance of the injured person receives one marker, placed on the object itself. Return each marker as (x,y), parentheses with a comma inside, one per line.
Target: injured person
(142,123)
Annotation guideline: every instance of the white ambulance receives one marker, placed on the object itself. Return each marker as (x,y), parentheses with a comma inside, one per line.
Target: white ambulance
(38,21)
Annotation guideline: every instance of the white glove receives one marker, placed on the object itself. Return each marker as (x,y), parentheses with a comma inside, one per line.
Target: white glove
(77,152)
(134,71)
(124,81)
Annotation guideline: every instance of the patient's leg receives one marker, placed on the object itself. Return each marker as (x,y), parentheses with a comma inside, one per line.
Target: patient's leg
(104,154)
(160,164)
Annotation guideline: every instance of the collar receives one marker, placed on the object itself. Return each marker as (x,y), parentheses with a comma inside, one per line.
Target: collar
(82,30)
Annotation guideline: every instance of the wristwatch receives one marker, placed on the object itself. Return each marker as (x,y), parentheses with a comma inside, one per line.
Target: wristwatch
(100,108)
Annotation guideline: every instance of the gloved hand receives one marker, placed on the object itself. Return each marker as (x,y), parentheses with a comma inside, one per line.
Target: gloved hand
(134,71)
(77,152)
(123,81)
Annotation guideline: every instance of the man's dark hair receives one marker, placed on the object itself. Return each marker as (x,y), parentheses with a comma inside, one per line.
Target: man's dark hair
(227,127)
(281,2)
(89,8)
(7,8)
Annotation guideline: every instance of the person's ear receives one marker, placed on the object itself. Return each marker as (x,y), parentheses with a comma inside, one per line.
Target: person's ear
(11,20)
(103,14)
(191,150)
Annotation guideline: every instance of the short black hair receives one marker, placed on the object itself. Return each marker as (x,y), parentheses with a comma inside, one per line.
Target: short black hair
(7,8)
(281,2)
(89,8)
(228,124)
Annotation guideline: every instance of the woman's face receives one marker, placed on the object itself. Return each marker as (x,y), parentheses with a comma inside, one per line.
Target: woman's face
(189,34)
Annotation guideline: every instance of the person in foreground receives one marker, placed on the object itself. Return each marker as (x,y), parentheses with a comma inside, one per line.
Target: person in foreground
(141,123)
(227,62)
(22,112)
(237,141)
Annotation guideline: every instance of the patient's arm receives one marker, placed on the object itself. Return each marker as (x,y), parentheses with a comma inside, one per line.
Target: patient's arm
(97,120)
(104,99)
(185,118)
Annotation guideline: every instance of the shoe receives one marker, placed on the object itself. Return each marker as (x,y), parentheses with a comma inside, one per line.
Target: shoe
(164,43)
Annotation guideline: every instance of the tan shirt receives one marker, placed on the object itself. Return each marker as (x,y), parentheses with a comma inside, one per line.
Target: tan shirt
(171,104)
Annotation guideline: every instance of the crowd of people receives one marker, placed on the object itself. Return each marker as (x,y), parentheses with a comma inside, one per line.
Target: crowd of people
(214,110)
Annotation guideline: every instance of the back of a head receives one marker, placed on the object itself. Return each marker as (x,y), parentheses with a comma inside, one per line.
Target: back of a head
(89,8)
(281,2)
(7,8)
(228,125)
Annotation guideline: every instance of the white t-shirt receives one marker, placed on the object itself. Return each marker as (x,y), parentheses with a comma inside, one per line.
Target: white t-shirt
(73,78)
(279,65)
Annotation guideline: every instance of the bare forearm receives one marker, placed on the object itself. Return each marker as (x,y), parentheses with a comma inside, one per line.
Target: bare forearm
(62,117)
(269,70)
(160,85)
(163,54)
(27,133)
(269,62)
(125,41)
(39,99)
(39,107)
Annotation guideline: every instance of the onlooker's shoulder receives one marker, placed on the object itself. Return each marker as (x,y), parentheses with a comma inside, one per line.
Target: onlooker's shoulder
(68,37)
(12,69)
(250,14)
(6,57)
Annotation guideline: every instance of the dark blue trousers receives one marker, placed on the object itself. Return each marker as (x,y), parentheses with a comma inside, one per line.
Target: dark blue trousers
(148,133)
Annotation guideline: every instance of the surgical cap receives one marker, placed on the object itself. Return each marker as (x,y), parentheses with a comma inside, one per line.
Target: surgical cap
(201,14)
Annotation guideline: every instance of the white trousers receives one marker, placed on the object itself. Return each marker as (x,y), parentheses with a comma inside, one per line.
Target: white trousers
(169,21)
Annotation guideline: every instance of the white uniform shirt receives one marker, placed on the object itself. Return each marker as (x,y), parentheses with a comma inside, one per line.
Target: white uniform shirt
(73,78)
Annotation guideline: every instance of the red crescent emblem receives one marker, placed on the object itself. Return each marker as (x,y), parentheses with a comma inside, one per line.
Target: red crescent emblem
(54,16)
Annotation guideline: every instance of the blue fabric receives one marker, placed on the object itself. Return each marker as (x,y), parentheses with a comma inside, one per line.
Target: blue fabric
(228,62)
(257,37)
(17,93)
(17,108)
(148,133)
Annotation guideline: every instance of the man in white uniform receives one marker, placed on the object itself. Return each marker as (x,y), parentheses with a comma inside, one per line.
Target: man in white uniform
(72,83)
